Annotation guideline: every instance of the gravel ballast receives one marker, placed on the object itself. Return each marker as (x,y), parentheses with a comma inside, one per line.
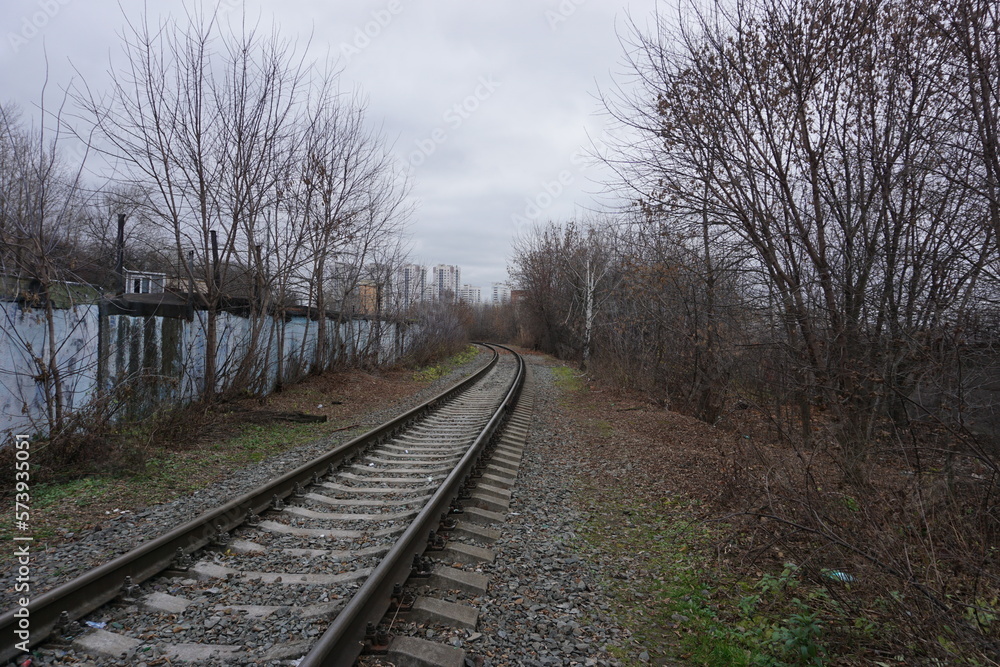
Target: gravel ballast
(545,604)
(128,529)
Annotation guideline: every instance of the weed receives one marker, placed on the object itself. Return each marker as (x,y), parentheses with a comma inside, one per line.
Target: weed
(851,504)
(439,370)
(429,373)
(684,608)
(678,615)
(82,491)
(798,637)
(983,614)
(465,356)
(567,379)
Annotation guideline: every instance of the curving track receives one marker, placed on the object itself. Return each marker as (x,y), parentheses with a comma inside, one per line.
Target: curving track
(297,568)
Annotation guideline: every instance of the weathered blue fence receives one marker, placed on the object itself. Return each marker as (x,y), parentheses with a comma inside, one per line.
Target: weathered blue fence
(141,362)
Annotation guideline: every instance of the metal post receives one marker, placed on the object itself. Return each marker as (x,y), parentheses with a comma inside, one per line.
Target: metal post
(120,252)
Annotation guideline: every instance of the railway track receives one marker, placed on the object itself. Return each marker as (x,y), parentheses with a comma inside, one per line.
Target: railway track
(300,570)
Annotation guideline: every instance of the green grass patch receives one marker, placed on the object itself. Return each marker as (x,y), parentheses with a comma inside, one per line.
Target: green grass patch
(681,606)
(567,379)
(439,370)
(673,608)
(62,507)
(60,499)
(258,442)
(172,472)
(54,506)
(430,373)
(80,492)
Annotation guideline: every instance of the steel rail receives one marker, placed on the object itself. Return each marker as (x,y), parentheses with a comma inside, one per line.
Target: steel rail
(342,643)
(82,595)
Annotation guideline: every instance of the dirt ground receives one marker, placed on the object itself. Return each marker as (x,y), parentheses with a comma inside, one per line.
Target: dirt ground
(199,445)
(344,397)
(709,536)
(664,452)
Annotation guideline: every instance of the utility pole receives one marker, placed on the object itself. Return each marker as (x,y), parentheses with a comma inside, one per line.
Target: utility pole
(120,254)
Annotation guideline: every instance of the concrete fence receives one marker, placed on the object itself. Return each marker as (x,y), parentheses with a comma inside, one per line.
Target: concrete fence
(132,364)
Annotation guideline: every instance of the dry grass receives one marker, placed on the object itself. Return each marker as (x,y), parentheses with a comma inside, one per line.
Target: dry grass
(78,483)
(916,540)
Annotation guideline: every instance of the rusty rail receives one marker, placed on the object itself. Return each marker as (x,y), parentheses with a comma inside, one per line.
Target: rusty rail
(99,586)
(342,643)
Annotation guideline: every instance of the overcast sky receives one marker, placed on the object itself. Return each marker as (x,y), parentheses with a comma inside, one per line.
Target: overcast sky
(490,103)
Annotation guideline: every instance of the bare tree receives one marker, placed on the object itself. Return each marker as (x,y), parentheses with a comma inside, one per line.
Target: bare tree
(536,269)
(796,131)
(41,204)
(346,166)
(259,104)
(969,33)
(202,118)
(569,272)
(377,250)
(829,167)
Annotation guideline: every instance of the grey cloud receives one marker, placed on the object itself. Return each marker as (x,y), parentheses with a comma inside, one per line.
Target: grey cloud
(415,65)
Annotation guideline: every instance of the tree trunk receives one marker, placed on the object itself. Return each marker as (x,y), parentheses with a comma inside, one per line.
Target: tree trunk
(588,322)
(321,346)
(52,371)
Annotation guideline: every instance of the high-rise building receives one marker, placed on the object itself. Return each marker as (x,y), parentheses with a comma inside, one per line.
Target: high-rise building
(500,293)
(470,294)
(415,283)
(445,282)
(412,283)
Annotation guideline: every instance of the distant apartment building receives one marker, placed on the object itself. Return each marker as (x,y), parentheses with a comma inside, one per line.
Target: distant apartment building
(416,283)
(470,294)
(499,293)
(412,284)
(446,280)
